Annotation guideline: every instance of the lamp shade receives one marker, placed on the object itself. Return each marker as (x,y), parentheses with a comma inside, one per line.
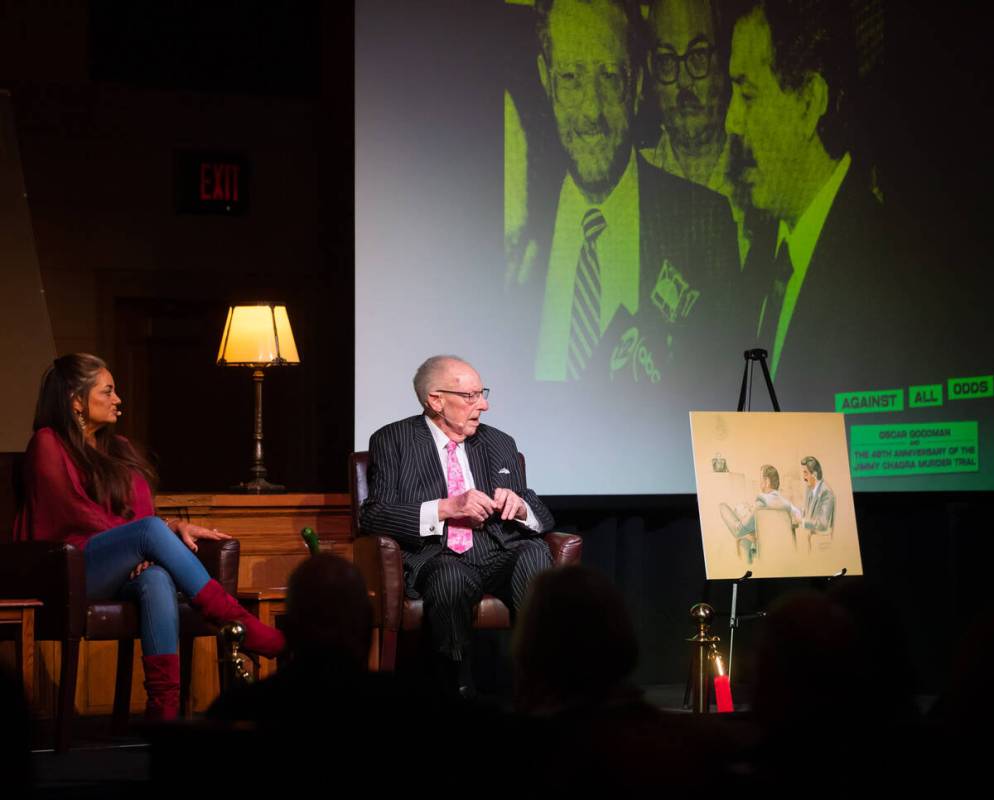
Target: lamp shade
(257,335)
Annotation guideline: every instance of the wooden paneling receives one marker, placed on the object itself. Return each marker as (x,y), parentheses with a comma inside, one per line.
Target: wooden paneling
(267,527)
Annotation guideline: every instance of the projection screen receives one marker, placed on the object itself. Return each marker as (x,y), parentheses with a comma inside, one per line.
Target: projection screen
(602,205)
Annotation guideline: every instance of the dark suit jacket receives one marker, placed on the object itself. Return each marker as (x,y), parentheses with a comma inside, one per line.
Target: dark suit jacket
(850,326)
(688,281)
(688,323)
(819,516)
(405,471)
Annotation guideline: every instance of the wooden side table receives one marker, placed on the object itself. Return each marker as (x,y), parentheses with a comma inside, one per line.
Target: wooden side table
(21,612)
(267,605)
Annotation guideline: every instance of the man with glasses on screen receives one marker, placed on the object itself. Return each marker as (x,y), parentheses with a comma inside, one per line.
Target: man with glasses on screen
(641,264)
(449,489)
(689,80)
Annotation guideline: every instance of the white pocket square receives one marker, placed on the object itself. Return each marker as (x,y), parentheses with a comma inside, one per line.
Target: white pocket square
(503,471)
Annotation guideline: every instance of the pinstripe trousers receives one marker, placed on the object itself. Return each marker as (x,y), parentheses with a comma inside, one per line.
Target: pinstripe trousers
(452,584)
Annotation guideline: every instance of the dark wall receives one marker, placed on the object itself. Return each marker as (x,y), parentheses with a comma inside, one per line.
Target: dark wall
(105,94)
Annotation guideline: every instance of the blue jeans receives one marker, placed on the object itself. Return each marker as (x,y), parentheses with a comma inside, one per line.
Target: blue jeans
(112,555)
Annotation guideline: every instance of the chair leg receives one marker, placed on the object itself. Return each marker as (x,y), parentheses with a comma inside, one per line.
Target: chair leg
(388,654)
(67,694)
(122,685)
(24,655)
(374,651)
(185,674)
(218,649)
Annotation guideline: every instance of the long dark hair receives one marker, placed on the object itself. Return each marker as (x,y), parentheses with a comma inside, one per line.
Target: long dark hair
(108,464)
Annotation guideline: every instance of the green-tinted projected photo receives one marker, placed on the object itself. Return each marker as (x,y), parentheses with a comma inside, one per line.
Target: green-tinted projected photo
(680,184)
(686,180)
(917,449)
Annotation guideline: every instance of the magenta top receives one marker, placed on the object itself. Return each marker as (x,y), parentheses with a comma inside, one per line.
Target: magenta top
(56,505)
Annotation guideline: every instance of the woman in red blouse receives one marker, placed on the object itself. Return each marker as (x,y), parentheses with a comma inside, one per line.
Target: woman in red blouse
(89,487)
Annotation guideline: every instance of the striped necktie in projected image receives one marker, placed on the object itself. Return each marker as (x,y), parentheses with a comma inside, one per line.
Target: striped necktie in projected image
(585,324)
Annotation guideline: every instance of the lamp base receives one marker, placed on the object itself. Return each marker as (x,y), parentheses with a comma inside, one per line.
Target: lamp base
(259,486)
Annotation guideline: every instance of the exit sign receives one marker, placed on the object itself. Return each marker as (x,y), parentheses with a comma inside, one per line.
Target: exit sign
(211,182)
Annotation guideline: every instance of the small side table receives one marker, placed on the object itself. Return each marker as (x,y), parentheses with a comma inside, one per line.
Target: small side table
(267,605)
(22,612)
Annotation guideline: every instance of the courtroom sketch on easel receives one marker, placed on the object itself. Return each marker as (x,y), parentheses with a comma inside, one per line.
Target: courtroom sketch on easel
(774,494)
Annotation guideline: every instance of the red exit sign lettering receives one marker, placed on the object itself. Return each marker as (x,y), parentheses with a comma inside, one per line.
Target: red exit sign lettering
(219,182)
(211,183)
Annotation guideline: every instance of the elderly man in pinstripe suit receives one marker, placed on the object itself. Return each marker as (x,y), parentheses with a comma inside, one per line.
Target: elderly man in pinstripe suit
(450,491)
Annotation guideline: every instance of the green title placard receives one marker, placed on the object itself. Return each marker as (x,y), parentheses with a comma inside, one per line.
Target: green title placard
(971,388)
(914,449)
(925,396)
(870,402)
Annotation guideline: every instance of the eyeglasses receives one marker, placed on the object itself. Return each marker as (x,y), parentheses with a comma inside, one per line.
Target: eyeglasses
(611,81)
(666,65)
(469,397)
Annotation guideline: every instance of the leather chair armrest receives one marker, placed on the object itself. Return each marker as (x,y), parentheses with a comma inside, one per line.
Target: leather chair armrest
(53,572)
(566,548)
(379,561)
(220,558)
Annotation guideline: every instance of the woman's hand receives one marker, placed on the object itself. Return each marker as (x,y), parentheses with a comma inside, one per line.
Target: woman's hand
(140,569)
(189,533)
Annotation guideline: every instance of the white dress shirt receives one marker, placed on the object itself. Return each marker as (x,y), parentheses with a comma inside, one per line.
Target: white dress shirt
(617,254)
(430,524)
(773,499)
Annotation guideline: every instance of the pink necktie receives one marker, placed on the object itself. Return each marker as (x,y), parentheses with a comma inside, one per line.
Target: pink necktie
(460,537)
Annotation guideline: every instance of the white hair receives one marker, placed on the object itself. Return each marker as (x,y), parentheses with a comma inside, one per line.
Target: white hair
(428,373)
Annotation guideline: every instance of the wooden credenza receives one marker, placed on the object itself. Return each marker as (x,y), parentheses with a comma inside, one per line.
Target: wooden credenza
(268,529)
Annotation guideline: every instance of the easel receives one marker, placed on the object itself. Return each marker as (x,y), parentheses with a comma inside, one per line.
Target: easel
(753,356)
(745,403)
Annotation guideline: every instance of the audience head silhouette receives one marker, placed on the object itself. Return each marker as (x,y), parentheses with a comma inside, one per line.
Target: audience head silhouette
(328,611)
(574,643)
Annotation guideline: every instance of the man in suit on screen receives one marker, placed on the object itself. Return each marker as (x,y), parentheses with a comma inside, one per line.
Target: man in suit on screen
(450,490)
(641,265)
(822,270)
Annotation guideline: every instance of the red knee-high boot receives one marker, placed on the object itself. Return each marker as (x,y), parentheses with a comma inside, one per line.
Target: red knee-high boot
(161,686)
(219,606)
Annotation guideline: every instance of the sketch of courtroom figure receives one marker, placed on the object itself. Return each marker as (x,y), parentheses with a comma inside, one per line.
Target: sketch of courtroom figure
(819,499)
(688,67)
(639,261)
(821,262)
(769,497)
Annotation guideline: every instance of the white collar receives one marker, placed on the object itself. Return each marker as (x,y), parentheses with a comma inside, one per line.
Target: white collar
(441,438)
(804,236)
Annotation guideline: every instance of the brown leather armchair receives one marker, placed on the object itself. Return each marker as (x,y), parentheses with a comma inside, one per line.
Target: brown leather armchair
(378,558)
(54,572)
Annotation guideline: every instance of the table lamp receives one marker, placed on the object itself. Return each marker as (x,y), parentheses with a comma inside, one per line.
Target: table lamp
(257,335)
